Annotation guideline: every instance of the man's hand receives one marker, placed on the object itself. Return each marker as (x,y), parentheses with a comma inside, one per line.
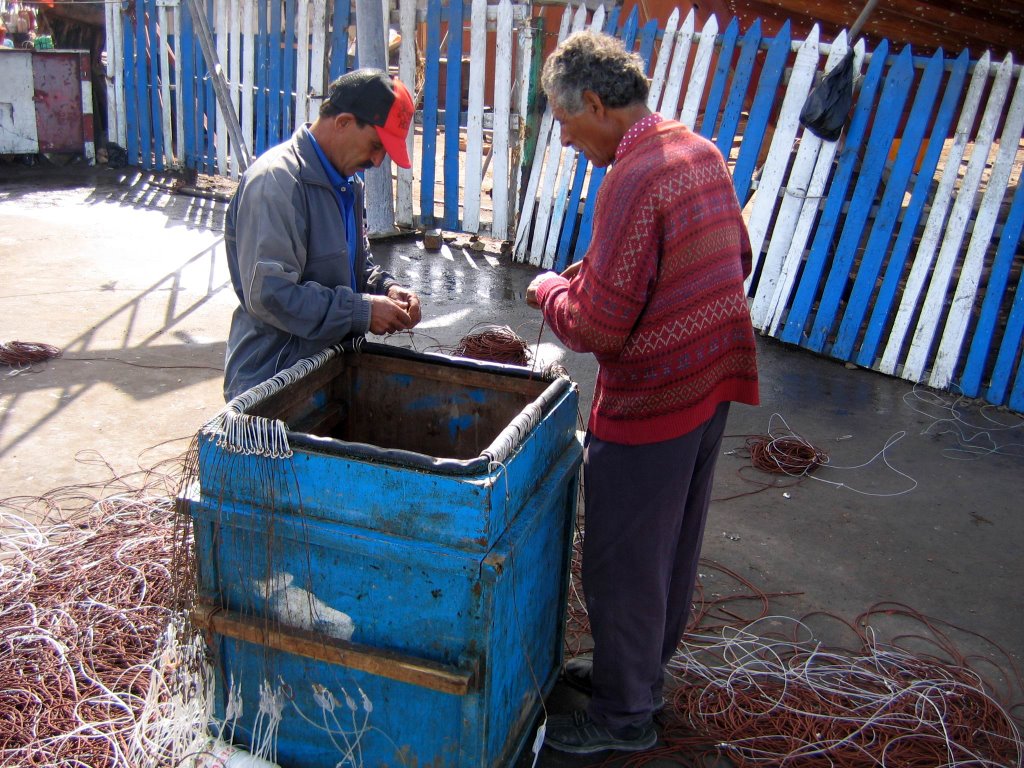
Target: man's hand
(531,291)
(408,300)
(388,316)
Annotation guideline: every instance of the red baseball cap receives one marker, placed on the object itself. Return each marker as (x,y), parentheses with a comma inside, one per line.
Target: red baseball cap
(380,100)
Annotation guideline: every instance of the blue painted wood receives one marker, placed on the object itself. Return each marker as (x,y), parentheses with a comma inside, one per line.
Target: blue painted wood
(261,74)
(154,86)
(894,98)
(878,323)
(648,36)
(891,205)
(628,37)
(714,102)
(209,106)
(611,22)
(430,100)
(288,73)
(738,90)
(452,113)
(807,288)
(187,84)
(274,69)
(339,40)
(131,88)
(982,341)
(569,222)
(142,91)
(761,111)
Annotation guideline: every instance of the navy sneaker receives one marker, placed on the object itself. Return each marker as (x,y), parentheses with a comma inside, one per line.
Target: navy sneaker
(578,734)
(579,672)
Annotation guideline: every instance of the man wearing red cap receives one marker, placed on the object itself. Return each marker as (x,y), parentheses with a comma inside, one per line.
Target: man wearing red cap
(295,237)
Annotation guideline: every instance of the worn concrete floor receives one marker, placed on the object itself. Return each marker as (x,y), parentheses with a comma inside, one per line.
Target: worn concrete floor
(923,506)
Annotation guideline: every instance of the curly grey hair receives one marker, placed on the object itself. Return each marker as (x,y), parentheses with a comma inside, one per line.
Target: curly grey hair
(593,61)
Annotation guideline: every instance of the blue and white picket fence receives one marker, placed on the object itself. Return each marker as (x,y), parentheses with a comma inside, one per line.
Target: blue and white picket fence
(897,248)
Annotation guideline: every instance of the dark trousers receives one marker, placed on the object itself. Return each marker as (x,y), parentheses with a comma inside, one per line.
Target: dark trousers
(646,506)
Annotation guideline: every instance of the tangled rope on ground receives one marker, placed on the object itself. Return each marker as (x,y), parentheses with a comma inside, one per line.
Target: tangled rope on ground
(22,353)
(494,344)
(784,454)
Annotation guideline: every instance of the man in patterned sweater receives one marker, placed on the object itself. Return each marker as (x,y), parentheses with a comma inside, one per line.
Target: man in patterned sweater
(659,300)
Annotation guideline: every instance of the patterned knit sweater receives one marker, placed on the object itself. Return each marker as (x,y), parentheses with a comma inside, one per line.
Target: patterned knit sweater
(659,297)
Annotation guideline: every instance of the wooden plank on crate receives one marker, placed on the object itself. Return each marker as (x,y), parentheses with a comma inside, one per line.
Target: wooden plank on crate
(821,248)
(966,293)
(895,91)
(765,198)
(699,73)
(628,37)
(432,68)
(475,116)
(537,167)
(940,202)
(502,120)
(552,204)
(799,208)
(760,112)
(248,64)
(959,218)
(681,54)
(165,86)
(885,295)
(221,31)
(738,89)
(982,343)
(723,67)
(668,40)
(423,673)
(302,103)
(890,208)
(407,74)
(452,113)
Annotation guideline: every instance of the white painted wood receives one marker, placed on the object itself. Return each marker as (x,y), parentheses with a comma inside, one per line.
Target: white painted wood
(966,294)
(551,169)
(765,197)
(924,258)
(959,217)
(301,66)
(568,159)
(699,75)
(502,108)
(235,70)
(670,95)
(475,117)
(800,202)
(220,35)
(179,100)
(520,96)
(165,86)
(117,129)
(668,40)
(537,167)
(248,72)
(407,74)
(19,133)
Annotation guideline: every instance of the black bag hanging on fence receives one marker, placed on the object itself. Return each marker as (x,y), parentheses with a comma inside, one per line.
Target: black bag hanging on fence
(828,104)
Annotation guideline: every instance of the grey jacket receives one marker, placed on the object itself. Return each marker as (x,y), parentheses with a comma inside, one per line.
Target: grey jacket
(289,263)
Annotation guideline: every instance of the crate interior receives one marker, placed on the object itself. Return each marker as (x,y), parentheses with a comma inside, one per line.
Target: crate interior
(436,409)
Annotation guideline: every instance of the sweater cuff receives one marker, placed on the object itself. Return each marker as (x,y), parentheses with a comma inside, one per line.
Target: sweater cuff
(549,285)
(361,315)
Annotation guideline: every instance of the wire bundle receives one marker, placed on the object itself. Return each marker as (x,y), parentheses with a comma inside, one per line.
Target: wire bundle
(22,353)
(494,344)
(784,455)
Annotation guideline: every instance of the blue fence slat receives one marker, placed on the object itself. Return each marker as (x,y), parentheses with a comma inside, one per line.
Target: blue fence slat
(889,208)
(885,297)
(1016,401)
(760,112)
(648,36)
(430,93)
(452,111)
(288,72)
(628,37)
(209,106)
(894,98)
(188,87)
(995,292)
(261,74)
(722,69)
(339,39)
(142,89)
(154,85)
(807,288)
(274,76)
(611,22)
(738,89)
(131,113)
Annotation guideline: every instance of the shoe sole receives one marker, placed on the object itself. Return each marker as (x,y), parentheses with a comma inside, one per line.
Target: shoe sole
(612,746)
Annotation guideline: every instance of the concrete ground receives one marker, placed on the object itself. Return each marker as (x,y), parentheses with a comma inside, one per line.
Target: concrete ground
(922,506)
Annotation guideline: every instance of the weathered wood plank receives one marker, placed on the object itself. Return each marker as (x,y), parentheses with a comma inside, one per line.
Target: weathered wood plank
(502,112)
